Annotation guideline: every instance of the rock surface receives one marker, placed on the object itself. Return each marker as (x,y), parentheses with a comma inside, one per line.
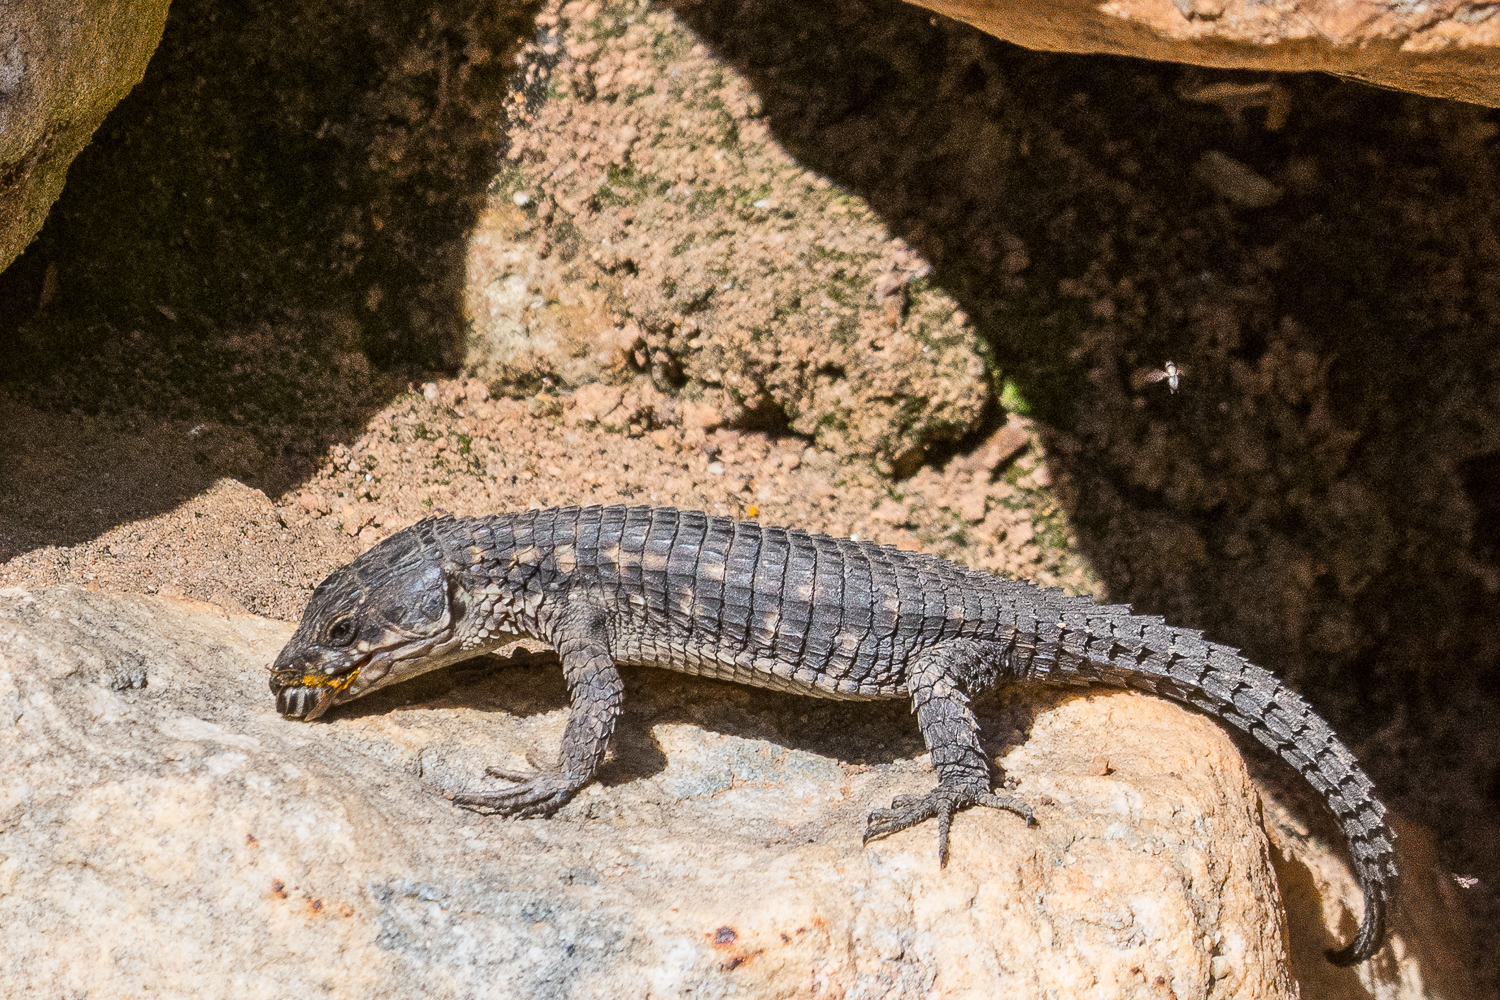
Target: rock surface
(1445,49)
(650,222)
(163,830)
(63,65)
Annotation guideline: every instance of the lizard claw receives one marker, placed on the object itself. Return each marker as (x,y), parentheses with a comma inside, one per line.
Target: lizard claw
(535,794)
(942,802)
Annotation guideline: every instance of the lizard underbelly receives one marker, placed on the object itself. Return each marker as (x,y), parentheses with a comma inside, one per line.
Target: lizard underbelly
(756,670)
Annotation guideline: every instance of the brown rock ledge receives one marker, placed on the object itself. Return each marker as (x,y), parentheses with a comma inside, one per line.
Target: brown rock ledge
(1445,49)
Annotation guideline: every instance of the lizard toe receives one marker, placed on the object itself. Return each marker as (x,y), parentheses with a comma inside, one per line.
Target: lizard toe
(941,803)
(1008,803)
(536,795)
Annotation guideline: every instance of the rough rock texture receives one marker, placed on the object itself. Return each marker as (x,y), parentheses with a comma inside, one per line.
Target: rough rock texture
(63,65)
(161,828)
(1446,49)
(686,242)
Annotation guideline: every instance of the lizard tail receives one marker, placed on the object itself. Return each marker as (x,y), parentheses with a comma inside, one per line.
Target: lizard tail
(1109,645)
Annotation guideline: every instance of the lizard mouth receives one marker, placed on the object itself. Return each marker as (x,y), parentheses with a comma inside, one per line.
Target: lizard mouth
(308,696)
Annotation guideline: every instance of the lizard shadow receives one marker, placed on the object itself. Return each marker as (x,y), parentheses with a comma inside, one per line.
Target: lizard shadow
(1303,902)
(525,683)
(861,733)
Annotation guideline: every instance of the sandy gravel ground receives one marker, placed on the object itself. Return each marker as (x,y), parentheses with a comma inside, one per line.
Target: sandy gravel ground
(450,447)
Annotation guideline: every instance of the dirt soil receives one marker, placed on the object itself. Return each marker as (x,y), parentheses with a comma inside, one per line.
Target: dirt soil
(845,266)
(450,447)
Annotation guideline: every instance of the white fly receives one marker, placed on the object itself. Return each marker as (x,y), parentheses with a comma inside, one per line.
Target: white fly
(1170,372)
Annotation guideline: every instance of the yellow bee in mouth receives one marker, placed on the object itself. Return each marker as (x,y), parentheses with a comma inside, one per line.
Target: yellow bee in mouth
(321,681)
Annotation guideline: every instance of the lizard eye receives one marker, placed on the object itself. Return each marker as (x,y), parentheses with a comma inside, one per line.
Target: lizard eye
(341,632)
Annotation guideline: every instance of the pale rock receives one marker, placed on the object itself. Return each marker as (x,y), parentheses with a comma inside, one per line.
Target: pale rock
(1006,443)
(183,840)
(313,503)
(971,507)
(592,403)
(701,416)
(532,319)
(1235,182)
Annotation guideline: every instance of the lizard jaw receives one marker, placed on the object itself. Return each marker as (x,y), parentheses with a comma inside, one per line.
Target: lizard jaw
(306,696)
(311,696)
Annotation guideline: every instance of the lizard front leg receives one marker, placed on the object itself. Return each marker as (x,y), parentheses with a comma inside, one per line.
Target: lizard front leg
(594,694)
(936,681)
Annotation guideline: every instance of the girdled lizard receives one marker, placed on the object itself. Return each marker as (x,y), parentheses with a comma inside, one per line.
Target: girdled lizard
(782,609)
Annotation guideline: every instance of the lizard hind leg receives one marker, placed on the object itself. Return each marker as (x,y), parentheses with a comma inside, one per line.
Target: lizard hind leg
(938,680)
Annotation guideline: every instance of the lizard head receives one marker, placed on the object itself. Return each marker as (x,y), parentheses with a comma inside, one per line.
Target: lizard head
(386,616)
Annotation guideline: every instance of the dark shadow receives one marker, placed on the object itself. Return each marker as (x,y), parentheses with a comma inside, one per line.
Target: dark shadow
(520,682)
(852,732)
(1317,492)
(266,235)
(873,732)
(532,683)
(1316,976)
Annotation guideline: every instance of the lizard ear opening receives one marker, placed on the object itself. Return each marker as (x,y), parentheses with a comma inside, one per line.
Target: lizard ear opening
(433,603)
(457,596)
